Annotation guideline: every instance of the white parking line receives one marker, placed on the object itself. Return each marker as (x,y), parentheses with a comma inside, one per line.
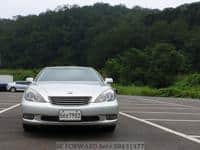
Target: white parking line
(175,104)
(162,112)
(145,107)
(2,108)
(148,104)
(162,128)
(172,120)
(9,108)
(195,136)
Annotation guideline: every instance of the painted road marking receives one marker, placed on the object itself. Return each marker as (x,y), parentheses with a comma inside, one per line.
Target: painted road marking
(175,104)
(162,128)
(162,112)
(144,107)
(148,105)
(172,120)
(195,136)
(9,108)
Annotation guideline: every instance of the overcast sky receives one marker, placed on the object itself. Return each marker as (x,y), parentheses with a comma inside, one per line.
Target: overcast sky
(9,8)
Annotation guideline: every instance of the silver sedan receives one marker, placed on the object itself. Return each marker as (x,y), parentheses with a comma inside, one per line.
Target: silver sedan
(70,96)
(18,86)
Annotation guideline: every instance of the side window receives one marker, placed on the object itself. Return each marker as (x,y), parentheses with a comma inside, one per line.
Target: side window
(27,83)
(20,82)
(23,82)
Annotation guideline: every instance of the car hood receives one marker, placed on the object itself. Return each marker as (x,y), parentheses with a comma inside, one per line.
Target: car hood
(69,89)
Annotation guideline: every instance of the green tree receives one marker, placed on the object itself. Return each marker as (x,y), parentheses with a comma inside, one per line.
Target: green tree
(129,67)
(165,63)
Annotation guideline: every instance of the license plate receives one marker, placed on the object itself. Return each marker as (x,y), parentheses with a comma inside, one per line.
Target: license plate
(70,115)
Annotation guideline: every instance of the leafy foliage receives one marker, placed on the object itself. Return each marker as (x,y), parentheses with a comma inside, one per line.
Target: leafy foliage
(156,66)
(181,88)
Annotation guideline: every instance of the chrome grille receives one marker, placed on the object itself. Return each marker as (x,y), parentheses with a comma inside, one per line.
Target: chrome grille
(70,100)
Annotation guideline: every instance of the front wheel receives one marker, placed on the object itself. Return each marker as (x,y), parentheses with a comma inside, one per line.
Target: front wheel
(110,128)
(12,89)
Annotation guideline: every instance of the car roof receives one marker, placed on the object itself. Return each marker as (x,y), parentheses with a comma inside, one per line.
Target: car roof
(69,67)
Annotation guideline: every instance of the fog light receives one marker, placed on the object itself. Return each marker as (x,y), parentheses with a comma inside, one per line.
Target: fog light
(28,116)
(111,117)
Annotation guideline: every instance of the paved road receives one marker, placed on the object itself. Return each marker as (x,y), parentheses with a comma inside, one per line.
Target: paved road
(161,123)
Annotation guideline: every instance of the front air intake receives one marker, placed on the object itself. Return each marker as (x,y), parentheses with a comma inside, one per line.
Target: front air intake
(70,101)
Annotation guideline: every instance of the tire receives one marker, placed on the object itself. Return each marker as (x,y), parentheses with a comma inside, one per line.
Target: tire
(12,89)
(27,128)
(110,128)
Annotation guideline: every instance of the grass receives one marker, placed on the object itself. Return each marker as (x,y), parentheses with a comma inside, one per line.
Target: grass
(173,91)
(185,86)
(135,90)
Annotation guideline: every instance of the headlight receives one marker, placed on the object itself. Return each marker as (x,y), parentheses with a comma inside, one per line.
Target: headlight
(108,95)
(33,96)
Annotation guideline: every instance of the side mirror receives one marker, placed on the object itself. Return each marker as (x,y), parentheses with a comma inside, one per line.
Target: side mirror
(29,79)
(108,80)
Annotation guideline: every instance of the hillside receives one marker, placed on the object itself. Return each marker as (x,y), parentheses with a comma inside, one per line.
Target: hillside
(132,45)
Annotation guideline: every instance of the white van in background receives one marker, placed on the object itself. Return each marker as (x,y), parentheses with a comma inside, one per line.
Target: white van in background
(4,80)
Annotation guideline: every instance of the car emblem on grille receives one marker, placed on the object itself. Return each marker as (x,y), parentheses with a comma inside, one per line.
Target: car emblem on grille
(69,92)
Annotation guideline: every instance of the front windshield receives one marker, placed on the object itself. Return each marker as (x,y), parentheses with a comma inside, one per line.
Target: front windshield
(69,74)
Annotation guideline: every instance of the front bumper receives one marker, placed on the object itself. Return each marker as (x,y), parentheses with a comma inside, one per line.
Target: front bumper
(100,110)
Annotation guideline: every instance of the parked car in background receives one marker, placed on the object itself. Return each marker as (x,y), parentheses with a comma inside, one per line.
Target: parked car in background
(4,80)
(18,86)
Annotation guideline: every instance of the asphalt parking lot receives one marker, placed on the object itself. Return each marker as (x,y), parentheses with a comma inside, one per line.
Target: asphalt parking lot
(161,123)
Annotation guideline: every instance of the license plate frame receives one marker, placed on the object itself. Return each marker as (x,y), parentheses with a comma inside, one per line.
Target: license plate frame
(69,115)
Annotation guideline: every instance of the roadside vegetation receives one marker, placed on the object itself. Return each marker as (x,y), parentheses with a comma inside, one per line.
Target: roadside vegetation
(187,86)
